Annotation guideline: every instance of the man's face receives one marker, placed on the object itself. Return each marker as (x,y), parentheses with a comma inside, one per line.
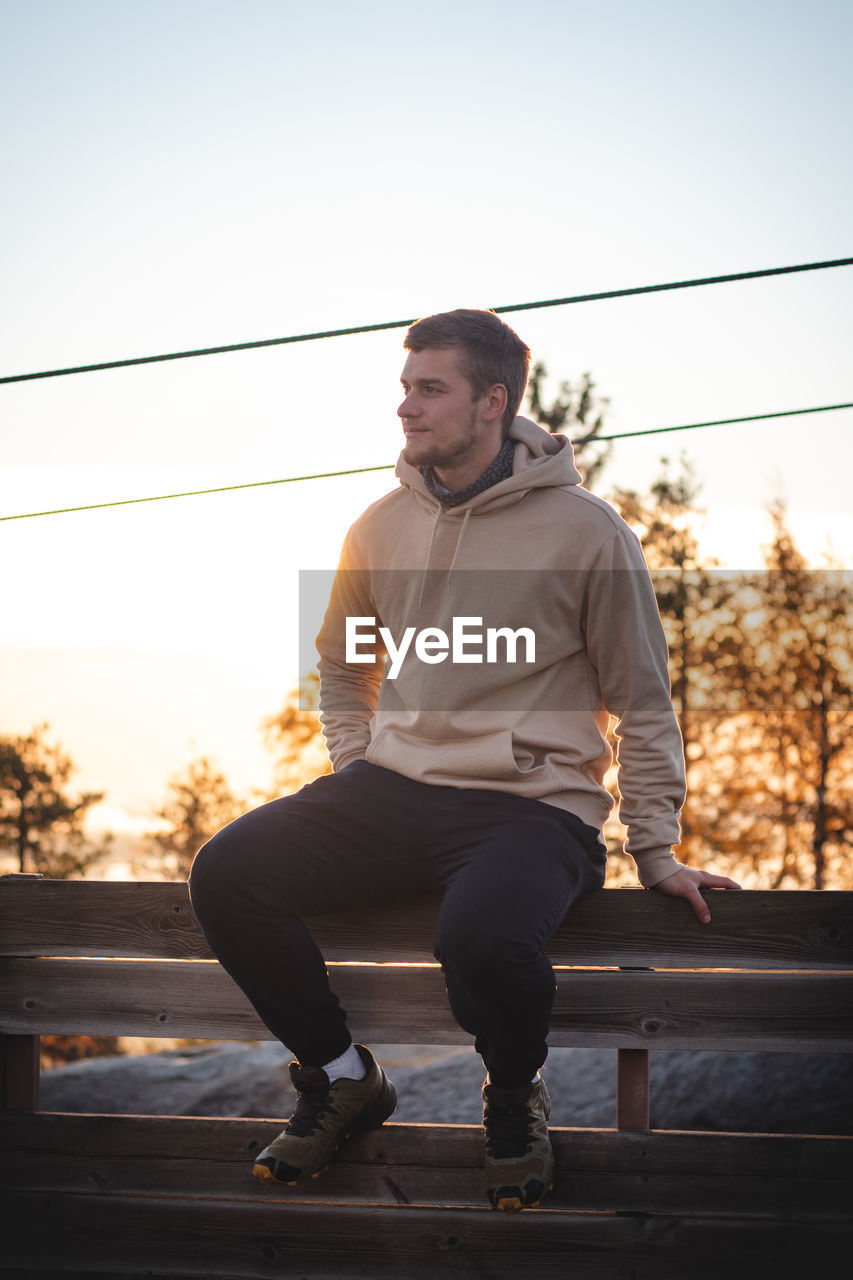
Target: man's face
(445,425)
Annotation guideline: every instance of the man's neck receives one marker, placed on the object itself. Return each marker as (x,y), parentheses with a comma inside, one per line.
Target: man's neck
(456,478)
(499,468)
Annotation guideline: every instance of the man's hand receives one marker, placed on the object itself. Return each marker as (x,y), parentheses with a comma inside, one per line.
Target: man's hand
(685,884)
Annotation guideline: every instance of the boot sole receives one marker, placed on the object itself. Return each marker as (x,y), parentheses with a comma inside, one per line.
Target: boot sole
(515,1204)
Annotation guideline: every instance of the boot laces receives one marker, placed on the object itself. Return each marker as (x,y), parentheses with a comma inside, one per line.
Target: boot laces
(508,1130)
(311,1106)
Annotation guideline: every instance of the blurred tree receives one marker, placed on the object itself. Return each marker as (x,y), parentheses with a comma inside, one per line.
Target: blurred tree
(200,802)
(786,799)
(575,411)
(761,680)
(56,1051)
(295,738)
(41,823)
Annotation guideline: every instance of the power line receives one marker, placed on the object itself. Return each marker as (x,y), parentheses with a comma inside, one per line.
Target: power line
(401,324)
(717,422)
(387,466)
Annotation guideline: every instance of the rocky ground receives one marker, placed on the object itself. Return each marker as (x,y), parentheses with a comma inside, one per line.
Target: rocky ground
(749,1092)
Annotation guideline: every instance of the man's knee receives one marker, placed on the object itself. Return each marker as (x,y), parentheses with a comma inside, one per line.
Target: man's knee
(214,872)
(478,953)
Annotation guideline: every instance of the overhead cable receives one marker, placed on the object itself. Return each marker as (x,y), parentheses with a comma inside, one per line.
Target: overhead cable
(401,324)
(387,466)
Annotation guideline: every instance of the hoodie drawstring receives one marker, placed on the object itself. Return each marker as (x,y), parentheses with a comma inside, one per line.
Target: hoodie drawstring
(433,532)
(456,550)
(458,546)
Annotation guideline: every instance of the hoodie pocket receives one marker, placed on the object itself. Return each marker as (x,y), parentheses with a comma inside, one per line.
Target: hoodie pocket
(478,760)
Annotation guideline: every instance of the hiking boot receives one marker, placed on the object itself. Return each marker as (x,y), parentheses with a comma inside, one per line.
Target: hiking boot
(325,1115)
(519,1159)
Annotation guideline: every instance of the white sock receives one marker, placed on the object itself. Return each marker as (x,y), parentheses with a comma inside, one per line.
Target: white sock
(348,1066)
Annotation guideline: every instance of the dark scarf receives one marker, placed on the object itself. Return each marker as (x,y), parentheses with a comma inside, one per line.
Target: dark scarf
(499,469)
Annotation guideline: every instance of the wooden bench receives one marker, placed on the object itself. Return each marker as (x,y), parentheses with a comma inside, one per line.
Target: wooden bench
(173,1196)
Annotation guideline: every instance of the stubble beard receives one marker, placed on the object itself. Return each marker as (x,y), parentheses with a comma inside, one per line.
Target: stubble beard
(448,458)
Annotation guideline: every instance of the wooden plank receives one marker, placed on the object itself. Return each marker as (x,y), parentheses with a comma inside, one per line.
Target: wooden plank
(607,1190)
(19,1072)
(637,1010)
(440,1146)
(630,927)
(96,918)
(253,1239)
(760,1175)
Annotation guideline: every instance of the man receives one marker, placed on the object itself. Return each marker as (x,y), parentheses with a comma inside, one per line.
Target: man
(487,618)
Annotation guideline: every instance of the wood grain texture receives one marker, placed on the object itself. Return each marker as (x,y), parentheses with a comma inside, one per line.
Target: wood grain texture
(282,1238)
(807,1177)
(802,1012)
(616,927)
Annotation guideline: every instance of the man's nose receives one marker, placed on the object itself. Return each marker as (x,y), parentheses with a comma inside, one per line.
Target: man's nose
(407,407)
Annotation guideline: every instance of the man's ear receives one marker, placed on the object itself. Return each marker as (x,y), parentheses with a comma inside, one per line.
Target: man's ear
(495,401)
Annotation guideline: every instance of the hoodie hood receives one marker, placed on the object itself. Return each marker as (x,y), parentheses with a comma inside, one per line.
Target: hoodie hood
(542,460)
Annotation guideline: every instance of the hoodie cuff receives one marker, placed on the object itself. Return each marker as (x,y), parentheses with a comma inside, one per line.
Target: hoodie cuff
(655,865)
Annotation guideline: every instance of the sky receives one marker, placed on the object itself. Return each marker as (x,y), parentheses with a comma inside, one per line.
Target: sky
(182,175)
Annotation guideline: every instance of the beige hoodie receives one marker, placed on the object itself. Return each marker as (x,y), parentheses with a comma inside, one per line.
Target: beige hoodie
(535,555)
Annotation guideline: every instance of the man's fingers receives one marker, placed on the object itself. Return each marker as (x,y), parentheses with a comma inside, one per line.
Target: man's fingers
(708,881)
(719,882)
(699,904)
(686,884)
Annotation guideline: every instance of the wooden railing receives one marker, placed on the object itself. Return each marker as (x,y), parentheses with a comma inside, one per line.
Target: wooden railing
(635,972)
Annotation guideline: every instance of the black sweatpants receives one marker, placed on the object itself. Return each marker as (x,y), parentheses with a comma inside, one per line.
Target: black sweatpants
(509,868)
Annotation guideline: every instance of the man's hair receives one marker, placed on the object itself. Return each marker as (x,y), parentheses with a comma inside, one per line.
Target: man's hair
(493,352)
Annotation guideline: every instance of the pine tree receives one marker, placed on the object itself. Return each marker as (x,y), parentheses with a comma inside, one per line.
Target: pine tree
(578,412)
(199,803)
(41,822)
(788,792)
